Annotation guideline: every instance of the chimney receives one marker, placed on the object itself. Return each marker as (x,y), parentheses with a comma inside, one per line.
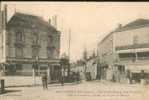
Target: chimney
(119,26)
(49,21)
(5,16)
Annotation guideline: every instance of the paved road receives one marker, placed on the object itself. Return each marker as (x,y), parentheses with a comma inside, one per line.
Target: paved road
(88,91)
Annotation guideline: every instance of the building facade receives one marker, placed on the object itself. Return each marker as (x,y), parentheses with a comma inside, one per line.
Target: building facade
(132,46)
(28,42)
(105,55)
(128,50)
(91,67)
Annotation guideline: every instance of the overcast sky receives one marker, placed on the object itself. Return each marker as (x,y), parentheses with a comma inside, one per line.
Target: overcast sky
(89,21)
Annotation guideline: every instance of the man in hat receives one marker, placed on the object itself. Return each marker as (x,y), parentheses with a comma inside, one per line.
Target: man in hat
(44,80)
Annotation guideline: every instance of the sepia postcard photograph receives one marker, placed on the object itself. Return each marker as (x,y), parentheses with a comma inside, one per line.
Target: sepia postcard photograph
(74,50)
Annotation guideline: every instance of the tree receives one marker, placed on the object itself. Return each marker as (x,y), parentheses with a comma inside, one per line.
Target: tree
(64,61)
(85,60)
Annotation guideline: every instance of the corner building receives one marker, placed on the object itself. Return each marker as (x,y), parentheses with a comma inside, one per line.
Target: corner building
(28,42)
(125,48)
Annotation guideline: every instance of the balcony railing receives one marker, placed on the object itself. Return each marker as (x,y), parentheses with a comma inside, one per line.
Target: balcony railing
(130,59)
(36,45)
(126,59)
(31,60)
(143,58)
(19,43)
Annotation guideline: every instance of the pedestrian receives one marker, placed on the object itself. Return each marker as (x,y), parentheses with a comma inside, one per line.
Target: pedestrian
(129,76)
(62,81)
(44,81)
(142,77)
(78,77)
(82,77)
(62,77)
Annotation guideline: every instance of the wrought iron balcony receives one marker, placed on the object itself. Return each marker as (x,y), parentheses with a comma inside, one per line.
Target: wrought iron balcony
(31,60)
(20,43)
(50,47)
(127,59)
(143,58)
(36,45)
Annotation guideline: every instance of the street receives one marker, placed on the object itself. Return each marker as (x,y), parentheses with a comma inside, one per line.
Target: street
(86,90)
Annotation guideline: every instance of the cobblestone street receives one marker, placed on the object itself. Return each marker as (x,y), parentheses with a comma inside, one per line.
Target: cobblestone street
(86,90)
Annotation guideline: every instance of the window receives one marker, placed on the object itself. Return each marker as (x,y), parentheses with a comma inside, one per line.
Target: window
(50,39)
(20,36)
(50,52)
(18,66)
(19,52)
(127,55)
(35,38)
(143,55)
(135,39)
(8,38)
(35,52)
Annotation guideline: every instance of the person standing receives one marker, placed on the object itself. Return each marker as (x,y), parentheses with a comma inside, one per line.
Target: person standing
(44,81)
(142,77)
(129,76)
(78,77)
(62,77)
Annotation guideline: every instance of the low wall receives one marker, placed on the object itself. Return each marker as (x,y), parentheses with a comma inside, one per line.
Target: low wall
(20,81)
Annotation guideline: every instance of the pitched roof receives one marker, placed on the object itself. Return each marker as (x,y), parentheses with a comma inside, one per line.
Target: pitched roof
(138,23)
(29,21)
(105,38)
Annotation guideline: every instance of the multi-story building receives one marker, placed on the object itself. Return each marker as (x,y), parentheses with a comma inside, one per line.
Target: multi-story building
(105,55)
(126,48)
(28,42)
(131,44)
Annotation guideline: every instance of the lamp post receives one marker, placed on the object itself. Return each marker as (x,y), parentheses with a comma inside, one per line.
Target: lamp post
(37,60)
(35,66)
(34,80)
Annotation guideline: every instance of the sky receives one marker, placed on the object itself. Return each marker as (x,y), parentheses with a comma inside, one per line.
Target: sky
(89,22)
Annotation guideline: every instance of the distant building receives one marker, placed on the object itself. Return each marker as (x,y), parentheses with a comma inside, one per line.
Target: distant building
(105,55)
(126,48)
(91,65)
(79,66)
(28,42)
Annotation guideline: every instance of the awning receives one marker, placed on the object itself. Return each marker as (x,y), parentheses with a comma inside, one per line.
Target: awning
(137,68)
(133,50)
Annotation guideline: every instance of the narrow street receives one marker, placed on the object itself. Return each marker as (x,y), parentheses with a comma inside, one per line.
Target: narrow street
(85,90)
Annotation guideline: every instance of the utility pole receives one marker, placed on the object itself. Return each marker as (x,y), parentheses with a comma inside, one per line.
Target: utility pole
(69,43)
(34,76)
(0,6)
(69,52)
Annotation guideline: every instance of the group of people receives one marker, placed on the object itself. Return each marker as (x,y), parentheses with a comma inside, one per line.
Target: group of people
(75,77)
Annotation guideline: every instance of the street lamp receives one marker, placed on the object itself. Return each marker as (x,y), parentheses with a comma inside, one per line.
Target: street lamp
(35,66)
